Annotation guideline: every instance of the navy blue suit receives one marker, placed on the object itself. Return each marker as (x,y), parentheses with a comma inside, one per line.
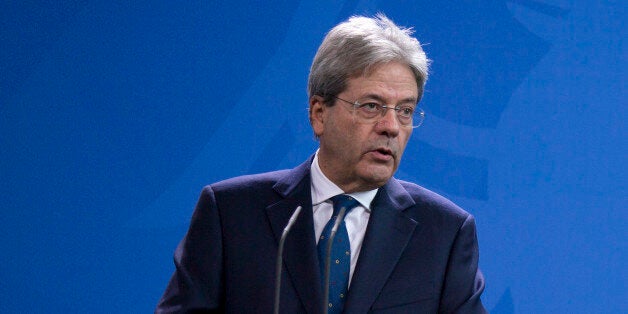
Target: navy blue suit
(419,255)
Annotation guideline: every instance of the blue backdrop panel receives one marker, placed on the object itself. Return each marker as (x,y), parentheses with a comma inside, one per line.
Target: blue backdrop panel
(113,115)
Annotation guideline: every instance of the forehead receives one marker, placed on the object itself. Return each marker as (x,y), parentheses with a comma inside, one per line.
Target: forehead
(387,80)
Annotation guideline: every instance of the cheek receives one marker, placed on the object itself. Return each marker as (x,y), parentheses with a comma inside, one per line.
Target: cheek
(403,140)
(349,134)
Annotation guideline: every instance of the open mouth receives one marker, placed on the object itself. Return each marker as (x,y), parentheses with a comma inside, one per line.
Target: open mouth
(382,153)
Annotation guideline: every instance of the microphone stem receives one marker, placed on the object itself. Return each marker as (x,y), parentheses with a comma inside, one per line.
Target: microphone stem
(279,262)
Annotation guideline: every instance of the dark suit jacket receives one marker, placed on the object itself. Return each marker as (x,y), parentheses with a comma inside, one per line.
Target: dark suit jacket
(419,255)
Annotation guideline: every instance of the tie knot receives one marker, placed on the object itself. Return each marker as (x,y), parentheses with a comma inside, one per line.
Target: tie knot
(345,201)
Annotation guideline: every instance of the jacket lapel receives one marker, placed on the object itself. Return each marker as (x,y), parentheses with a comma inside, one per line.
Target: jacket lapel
(300,259)
(387,235)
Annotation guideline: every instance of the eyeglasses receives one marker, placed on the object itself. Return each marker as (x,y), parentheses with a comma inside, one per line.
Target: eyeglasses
(370,112)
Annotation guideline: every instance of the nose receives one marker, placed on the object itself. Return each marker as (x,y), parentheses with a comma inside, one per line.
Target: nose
(388,124)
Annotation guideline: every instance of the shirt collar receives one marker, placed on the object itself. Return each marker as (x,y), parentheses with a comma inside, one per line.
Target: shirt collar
(323,189)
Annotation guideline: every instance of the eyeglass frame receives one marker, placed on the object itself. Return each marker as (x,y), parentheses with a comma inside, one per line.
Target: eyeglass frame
(382,109)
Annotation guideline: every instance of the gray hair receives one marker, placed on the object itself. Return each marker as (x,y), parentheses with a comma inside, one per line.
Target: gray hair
(354,47)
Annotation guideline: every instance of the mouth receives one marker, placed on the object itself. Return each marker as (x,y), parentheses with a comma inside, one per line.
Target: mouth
(382,154)
(385,151)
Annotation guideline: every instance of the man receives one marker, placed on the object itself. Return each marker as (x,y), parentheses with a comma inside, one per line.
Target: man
(410,250)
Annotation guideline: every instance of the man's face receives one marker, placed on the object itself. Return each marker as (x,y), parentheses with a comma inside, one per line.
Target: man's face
(359,156)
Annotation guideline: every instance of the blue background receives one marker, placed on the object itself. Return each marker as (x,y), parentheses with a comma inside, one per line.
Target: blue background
(113,115)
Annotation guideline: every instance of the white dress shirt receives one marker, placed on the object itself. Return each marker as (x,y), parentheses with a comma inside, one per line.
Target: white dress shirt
(356,220)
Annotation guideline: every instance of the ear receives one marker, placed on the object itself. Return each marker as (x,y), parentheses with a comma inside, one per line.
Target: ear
(317,114)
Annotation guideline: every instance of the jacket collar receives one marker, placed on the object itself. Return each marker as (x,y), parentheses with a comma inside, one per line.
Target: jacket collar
(300,257)
(388,232)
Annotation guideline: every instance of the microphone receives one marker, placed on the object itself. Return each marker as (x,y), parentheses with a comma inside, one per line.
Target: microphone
(332,234)
(284,234)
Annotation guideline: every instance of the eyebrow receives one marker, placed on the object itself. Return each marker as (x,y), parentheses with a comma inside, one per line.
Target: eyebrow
(379,98)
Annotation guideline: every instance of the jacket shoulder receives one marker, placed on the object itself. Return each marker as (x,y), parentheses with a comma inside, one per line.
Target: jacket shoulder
(433,203)
(248,182)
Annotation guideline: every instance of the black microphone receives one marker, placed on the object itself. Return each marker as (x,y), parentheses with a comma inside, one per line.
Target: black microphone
(332,234)
(284,234)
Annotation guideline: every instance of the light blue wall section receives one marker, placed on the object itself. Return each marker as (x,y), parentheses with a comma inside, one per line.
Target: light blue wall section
(113,115)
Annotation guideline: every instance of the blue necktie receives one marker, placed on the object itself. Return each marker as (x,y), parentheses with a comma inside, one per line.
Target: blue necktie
(340,255)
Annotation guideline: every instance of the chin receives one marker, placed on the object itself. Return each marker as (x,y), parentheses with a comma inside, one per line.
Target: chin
(377,179)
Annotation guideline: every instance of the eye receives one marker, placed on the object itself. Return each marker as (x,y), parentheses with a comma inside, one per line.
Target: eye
(406,111)
(371,107)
